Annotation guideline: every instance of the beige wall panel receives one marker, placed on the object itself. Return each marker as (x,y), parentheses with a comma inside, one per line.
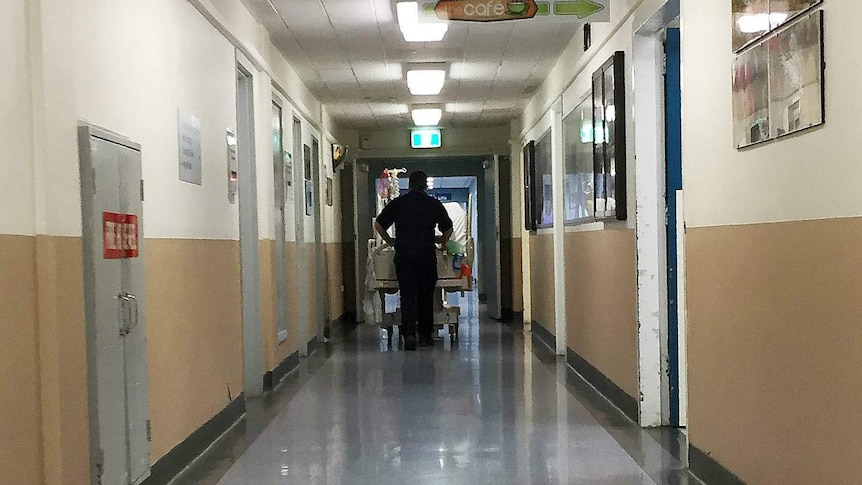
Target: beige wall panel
(517,275)
(773,316)
(194,318)
(20,424)
(542,280)
(63,355)
(348,256)
(268,303)
(601,303)
(284,349)
(335,279)
(310,256)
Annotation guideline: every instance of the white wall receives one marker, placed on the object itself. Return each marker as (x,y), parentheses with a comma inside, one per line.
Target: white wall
(809,176)
(16,137)
(132,82)
(129,66)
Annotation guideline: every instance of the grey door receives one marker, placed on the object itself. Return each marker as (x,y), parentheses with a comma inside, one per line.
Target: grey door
(112,213)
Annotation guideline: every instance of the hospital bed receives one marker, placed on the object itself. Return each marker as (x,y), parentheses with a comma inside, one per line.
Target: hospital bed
(449,279)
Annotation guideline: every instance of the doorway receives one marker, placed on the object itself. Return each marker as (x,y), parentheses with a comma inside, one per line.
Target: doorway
(112,214)
(485,169)
(675,231)
(300,194)
(248,233)
(660,222)
(319,255)
(281,172)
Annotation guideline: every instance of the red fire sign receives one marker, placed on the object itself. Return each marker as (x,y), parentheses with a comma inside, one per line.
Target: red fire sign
(120,235)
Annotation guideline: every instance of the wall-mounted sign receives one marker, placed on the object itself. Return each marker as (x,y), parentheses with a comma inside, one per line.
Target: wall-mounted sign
(189,129)
(309,198)
(502,10)
(119,235)
(485,10)
(232,166)
(426,138)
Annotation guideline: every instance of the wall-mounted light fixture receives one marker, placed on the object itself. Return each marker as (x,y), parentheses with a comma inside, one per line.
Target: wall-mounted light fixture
(415,31)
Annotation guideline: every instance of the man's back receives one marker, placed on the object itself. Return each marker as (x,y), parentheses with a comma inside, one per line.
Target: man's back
(415,216)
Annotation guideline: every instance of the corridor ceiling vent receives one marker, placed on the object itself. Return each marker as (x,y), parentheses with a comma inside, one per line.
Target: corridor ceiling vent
(416,31)
(426,116)
(425,82)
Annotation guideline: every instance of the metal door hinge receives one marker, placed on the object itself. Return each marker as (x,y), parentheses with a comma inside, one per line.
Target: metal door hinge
(149,431)
(142,190)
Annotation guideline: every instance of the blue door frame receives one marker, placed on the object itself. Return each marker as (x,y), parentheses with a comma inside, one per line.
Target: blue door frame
(673,151)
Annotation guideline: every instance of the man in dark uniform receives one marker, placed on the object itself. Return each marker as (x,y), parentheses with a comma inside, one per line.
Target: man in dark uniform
(415,216)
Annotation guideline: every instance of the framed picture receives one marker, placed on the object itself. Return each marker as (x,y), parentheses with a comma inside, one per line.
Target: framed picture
(796,94)
(609,133)
(530,203)
(751,97)
(544,181)
(778,86)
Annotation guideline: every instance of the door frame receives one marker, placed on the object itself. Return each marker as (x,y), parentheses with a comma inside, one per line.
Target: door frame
(248,229)
(281,303)
(651,219)
(299,221)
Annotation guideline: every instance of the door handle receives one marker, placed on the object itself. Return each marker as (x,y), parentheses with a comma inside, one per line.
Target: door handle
(133,324)
(129,313)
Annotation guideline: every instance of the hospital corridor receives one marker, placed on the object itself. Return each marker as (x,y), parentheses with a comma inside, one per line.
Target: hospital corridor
(347,242)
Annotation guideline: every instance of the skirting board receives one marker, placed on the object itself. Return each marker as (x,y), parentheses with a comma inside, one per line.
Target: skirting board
(170,465)
(273,377)
(708,470)
(625,403)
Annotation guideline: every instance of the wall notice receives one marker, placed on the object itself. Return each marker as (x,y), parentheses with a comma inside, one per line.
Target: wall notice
(189,128)
(119,235)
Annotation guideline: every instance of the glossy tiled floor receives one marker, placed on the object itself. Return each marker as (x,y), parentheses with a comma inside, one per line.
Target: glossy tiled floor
(493,408)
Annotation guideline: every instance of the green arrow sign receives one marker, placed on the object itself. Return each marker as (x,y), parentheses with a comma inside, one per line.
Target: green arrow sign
(581,8)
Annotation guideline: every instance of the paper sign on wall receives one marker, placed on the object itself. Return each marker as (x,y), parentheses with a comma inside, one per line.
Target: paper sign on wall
(190,148)
(119,235)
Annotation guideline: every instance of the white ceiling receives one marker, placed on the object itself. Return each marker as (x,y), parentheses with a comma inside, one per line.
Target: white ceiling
(351,55)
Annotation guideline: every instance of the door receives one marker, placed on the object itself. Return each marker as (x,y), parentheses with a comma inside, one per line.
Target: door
(673,150)
(281,171)
(507,273)
(491,249)
(112,214)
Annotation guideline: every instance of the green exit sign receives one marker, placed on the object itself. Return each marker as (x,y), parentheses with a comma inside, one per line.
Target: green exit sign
(425,138)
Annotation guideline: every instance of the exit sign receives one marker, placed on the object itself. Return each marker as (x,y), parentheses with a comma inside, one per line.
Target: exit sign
(425,138)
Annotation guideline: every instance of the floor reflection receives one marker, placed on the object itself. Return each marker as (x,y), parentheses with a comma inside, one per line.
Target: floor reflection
(491,408)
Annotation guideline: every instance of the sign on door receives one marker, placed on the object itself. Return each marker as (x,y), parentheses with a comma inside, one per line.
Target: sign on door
(120,235)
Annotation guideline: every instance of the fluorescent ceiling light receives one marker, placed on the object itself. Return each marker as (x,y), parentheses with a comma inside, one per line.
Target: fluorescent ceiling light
(426,82)
(427,116)
(413,30)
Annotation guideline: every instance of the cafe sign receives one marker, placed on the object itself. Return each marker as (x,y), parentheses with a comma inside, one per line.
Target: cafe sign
(503,10)
(485,10)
